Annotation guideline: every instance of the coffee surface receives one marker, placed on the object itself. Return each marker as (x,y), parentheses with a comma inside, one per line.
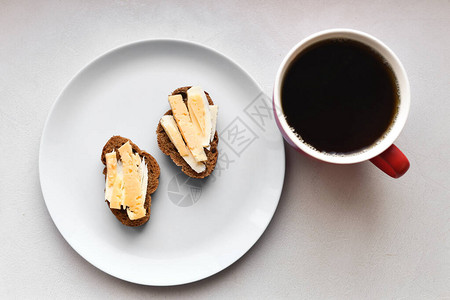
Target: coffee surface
(340,96)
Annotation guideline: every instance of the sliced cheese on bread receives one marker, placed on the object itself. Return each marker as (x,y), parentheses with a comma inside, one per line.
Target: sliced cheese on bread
(191,128)
(126,183)
(186,127)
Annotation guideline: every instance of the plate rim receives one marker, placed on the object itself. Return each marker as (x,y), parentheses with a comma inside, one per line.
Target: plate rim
(58,100)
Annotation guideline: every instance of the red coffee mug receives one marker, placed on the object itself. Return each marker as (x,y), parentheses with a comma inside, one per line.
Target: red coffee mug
(383,154)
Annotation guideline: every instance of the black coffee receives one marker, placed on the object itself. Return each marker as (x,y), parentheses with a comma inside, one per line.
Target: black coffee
(340,96)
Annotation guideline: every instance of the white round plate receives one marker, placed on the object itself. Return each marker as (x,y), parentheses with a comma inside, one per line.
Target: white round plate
(197,227)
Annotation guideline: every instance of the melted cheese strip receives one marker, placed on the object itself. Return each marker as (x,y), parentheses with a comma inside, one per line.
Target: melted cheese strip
(171,129)
(186,127)
(126,181)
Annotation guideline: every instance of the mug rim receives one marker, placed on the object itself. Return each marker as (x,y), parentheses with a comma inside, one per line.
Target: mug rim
(403,109)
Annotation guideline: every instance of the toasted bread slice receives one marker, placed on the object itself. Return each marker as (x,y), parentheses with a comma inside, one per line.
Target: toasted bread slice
(169,149)
(113,144)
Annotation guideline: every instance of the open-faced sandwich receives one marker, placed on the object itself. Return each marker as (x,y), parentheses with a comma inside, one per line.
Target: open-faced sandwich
(131,176)
(187,132)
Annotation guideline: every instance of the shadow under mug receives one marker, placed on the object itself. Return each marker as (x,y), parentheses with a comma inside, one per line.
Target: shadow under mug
(383,154)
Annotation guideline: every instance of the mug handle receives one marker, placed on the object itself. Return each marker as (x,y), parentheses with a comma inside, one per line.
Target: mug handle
(392,162)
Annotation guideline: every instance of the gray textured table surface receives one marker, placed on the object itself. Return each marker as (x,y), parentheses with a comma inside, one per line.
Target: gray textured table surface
(339,231)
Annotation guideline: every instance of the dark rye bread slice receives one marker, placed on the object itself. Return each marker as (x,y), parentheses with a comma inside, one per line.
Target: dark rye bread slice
(169,149)
(115,143)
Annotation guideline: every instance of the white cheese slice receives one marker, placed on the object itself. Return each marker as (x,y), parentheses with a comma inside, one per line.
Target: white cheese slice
(183,120)
(214,110)
(194,164)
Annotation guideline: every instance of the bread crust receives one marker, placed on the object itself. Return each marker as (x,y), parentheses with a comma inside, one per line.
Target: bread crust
(114,143)
(168,148)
